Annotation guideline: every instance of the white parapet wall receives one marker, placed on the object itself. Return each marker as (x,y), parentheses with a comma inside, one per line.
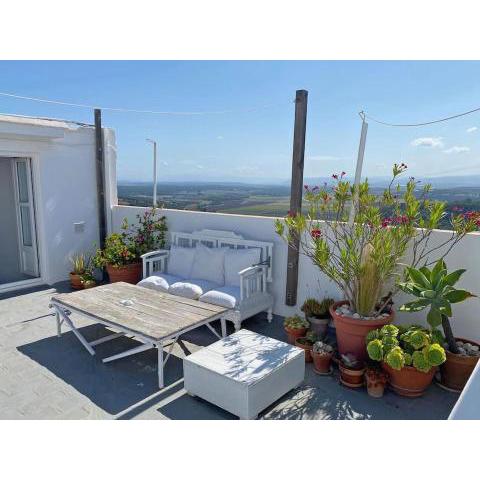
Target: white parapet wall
(311,281)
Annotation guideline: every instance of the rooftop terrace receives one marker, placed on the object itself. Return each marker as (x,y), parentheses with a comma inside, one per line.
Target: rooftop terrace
(46,377)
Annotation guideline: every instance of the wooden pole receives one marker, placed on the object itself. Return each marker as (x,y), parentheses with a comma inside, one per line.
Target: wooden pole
(296,191)
(100,162)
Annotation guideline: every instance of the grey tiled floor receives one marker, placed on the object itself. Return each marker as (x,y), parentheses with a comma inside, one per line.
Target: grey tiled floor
(46,377)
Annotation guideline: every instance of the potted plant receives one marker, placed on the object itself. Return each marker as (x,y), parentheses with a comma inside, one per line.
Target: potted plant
(306,343)
(376,379)
(87,279)
(409,354)
(435,288)
(351,370)
(318,314)
(322,357)
(78,262)
(363,250)
(295,327)
(121,255)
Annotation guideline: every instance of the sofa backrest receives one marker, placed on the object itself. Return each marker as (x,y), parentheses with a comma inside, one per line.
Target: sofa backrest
(222,239)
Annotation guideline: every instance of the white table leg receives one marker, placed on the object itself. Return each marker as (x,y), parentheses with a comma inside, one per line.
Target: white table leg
(59,324)
(223,324)
(80,337)
(160,365)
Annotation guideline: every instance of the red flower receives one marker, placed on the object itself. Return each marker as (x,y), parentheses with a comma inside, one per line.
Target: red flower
(305,187)
(316,233)
(335,176)
(343,174)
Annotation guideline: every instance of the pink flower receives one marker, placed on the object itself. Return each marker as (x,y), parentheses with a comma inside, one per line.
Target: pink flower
(316,233)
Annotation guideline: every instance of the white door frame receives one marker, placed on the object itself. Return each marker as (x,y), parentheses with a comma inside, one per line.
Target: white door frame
(34,158)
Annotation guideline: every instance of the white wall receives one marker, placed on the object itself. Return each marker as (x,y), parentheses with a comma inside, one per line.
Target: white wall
(65,188)
(311,281)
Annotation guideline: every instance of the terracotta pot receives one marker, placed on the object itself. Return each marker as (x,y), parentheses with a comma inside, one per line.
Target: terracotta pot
(351,332)
(351,377)
(321,362)
(75,281)
(375,383)
(294,333)
(409,382)
(131,273)
(319,326)
(458,368)
(308,349)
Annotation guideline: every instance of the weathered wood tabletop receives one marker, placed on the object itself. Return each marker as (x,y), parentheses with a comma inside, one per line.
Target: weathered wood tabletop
(149,313)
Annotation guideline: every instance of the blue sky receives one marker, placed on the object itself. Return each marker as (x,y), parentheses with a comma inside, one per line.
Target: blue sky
(256,146)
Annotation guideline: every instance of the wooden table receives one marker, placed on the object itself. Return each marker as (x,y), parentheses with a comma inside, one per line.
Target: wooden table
(153,318)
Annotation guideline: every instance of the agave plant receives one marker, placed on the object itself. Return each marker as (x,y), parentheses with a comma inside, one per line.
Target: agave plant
(435,289)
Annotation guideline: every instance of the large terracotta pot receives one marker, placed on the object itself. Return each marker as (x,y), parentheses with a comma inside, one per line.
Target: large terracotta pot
(351,332)
(294,333)
(75,281)
(409,382)
(131,273)
(458,368)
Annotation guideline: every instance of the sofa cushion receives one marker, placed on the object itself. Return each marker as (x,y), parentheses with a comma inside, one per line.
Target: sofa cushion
(208,264)
(193,288)
(237,260)
(180,261)
(159,281)
(227,296)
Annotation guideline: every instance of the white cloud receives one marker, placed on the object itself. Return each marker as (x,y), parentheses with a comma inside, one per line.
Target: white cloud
(430,142)
(457,149)
(220,137)
(472,129)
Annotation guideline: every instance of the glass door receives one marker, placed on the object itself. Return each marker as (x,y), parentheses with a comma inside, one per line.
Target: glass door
(25,216)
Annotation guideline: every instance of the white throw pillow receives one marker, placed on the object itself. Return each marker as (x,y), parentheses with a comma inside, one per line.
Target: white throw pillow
(237,260)
(180,261)
(159,281)
(228,297)
(208,264)
(192,289)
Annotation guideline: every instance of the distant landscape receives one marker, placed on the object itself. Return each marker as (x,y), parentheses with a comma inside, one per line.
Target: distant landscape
(271,200)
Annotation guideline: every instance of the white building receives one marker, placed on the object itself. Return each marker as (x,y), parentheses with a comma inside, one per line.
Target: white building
(48,197)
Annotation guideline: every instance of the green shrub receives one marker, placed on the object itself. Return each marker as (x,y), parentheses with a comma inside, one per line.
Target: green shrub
(405,346)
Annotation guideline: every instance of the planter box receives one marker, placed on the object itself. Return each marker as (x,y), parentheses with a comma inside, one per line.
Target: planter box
(244,373)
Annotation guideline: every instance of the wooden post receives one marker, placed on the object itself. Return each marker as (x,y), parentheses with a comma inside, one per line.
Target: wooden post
(296,191)
(100,161)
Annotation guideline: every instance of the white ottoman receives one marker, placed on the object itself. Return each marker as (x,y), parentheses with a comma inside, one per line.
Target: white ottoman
(244,373)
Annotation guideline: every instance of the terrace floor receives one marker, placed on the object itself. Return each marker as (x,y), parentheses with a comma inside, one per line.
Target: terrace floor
(46,377)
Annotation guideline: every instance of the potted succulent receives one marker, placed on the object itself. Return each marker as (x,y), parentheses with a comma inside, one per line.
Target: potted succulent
(322,357)
(295,327)
(78,262)
(435,288)
(318,314)
(121,255)
(306,343)
(363,250)
(376,379)
(409,354)
(88,279)
(351,370)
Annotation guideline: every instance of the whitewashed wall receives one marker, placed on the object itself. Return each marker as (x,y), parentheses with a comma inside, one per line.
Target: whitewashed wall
(65,188)
(311,281)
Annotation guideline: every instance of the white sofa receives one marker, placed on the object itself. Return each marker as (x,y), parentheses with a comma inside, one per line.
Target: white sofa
(215,267)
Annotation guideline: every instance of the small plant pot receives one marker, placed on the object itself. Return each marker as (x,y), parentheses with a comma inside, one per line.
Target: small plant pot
(351,377)
(321,362)
(375,383)
(131,273)
(294,333)
(457,368)
(409,382)
(319,326)
(351,332)
(89,284)
(76,281)
(305,346)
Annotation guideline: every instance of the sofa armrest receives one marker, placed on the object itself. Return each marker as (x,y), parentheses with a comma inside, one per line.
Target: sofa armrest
(252,279)
(149,259)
